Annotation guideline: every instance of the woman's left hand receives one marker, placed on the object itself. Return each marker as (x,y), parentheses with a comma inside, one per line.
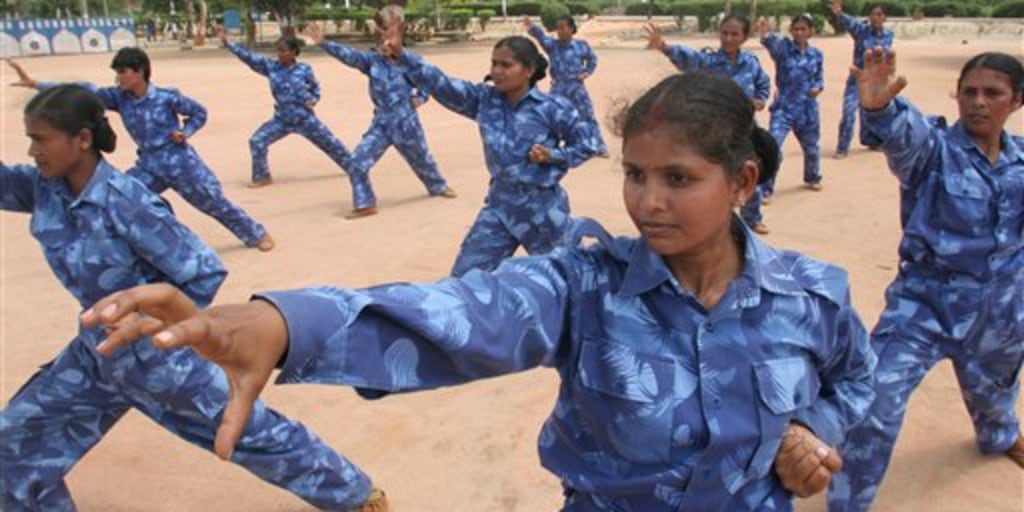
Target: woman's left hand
(804,463)
(540,154)
(246,340)
(178,137)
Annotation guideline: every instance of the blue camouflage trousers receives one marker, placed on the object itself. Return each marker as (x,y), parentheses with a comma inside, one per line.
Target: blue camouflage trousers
(306,124)
(179,167)
(851,109)
(979,326)
(577,94)
(805,123)
(406,135)
(514,214)
(70,403)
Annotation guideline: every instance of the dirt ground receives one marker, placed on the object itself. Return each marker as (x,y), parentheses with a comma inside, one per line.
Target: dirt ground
(471,448)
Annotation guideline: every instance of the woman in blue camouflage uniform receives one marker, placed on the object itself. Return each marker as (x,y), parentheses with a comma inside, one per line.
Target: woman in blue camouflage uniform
(395,120)
(866,35)
(102,231)
(701,369)
(572,62)
(531,140)
(959,293)
(153,117)
(296,93)
(799,78)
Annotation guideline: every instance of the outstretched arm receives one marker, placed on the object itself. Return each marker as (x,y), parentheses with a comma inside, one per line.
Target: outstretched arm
(460,96)
(393,338)
(348,55)
(537,32)
(256,62)
(910,141)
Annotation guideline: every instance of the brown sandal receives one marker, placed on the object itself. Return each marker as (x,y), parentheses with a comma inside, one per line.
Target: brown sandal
(1016,452)
(375,502)
(359,213)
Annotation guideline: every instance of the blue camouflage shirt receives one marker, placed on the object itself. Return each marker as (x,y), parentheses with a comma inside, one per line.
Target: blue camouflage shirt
(292,86)
(960,213)
(151,119)
(116,234)
(864,37)
(390,90)
(509,131)
(796,71)
(568,60)
(663,405)
(746,71)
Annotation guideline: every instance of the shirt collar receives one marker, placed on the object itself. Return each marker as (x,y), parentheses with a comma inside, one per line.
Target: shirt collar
(761,265)
(151,92)
(1010,152)
(94,191)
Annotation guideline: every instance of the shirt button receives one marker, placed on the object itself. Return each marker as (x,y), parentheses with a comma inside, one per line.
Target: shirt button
(709,326)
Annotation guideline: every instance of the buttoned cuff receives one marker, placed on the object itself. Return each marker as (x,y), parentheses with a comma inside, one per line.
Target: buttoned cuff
(822,423)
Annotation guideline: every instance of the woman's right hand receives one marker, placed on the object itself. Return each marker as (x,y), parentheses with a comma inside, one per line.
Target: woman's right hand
(878,83)
(23,79)
(315,32)
(246,340)
(655,41)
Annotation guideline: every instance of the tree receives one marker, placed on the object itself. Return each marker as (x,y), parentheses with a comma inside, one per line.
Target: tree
(285,11)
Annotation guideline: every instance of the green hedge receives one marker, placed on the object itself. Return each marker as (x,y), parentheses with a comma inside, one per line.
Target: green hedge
(1010,9)
(892,7)
(654,9)
(458,19)
(525,9)
(550,13)
(582,8)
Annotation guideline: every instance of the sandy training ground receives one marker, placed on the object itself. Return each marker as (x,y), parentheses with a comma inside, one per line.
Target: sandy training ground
(471,448)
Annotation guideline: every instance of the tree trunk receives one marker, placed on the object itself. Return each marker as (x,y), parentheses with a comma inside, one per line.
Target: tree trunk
(201,27)
(250,26)
(727,9)
(190,19)
(753,12)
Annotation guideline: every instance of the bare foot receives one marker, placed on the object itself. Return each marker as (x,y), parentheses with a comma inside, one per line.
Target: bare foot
(261,183)
(761,229)
(839,155)
(1016,452)
(266,243)
(359,213)
(766,200)
(813,186)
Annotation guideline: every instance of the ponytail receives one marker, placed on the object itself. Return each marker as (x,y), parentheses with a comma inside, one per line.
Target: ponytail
(526,53)
(766,151)
(71,109)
